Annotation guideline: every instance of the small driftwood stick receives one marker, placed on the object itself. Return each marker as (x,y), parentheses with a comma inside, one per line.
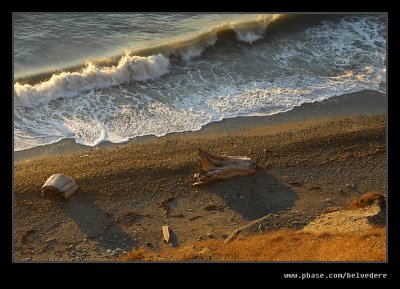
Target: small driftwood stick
(215,167)
(166,234)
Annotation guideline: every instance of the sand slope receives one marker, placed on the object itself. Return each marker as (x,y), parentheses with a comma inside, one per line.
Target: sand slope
(117,208)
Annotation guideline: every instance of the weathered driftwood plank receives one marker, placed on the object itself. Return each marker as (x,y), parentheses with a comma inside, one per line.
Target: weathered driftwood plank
(215,167)
(166,234)
(59,184)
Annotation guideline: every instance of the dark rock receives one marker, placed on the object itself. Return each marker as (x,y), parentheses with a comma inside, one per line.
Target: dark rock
(296,184)
(214,208)
(330,210)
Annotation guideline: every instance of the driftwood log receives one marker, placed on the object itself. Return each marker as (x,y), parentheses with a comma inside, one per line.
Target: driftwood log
(59,184)
(215,167)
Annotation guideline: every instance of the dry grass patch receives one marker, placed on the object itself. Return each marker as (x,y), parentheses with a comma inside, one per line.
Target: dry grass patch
(368,245)
(366,200)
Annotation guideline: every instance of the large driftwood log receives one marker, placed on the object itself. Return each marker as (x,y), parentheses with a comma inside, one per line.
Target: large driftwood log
(215,167)
(59,184)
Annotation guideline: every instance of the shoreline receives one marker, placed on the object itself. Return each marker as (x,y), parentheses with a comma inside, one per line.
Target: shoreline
(365,102)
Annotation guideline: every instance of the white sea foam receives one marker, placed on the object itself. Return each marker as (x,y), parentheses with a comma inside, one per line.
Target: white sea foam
(253,34)
(248,36)
(92,121)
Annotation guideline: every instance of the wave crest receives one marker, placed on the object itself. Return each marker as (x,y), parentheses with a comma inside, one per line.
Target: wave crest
(92,76)
(195,50)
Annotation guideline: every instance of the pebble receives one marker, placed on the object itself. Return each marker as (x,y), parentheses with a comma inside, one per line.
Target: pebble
(328,200)
(209,235)
(108,251)
(28,258)
(200,238)
(119,250)
(124,252)
(224,235)
(84,240)
(190,210)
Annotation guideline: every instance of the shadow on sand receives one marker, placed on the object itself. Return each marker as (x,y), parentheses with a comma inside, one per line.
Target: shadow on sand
(254,196)
(95,223)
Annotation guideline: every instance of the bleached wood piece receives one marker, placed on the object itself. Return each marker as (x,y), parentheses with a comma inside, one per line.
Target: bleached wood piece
(166,234)
(215,167)
(60,184)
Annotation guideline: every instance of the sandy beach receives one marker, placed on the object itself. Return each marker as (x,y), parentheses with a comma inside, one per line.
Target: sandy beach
(313,157)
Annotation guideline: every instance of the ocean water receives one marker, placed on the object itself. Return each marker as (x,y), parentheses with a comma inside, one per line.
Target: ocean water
(112,77)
